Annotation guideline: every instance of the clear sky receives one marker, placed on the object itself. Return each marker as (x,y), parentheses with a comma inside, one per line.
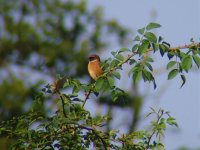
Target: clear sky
(180,20)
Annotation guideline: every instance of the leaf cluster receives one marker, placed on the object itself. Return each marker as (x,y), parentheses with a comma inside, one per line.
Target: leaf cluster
(71,126)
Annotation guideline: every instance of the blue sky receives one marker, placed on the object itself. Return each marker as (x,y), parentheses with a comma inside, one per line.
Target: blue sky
(180,21)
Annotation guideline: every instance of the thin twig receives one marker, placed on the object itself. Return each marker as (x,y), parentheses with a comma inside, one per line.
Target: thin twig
(76,125)
(88,94)
(149,140)
(96,134)
(151,49)
(159,116)
(63,103)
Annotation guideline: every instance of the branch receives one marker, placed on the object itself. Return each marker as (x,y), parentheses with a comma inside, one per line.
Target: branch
(159,116)
(63,103)
(96,134)
(93,131)
(88,94)
(149,50)
(135,53)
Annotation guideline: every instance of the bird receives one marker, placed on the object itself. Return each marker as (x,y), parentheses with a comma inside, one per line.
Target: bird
(94,66)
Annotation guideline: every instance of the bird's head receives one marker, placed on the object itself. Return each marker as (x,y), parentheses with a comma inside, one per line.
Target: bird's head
(94,57)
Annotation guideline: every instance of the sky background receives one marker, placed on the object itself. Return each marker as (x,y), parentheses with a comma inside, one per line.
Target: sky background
(180,21)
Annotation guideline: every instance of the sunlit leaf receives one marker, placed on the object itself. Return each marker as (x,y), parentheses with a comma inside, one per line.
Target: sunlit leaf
(171,64)
(151,37)
(99,84)
(119,57)
(196,60)
(141,31)
(163,49)
(155,46)
(111,81)
(153,25)
(135,47)
(186,62)
(117,75)
(170,55)
(143,47)
(172,121)
(123,50)
(137,38)
(136,77)
(172,74)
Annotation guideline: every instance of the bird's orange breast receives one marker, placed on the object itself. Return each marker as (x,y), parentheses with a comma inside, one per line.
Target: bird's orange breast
(94,69)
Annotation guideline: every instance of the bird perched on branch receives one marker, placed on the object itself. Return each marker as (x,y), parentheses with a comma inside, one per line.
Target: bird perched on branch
(94,66)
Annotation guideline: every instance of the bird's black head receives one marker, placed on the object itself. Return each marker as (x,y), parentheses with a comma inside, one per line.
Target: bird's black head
(94,57)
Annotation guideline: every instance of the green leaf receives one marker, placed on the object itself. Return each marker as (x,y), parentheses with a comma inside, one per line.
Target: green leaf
(114,53)
(182,55)
(76,89)
(152,25)
(172,74)
(99,84)
(141,31)
(117,75)
(114,63)
(171,64)
(196,60)
(149,66)
(172,121)
(135,47)
(137,38)
(149,59)
(136,77)
(123,50)
(114,95)
(183,79)
(186,62)
(132,71)
(151,37)
(143,47)
(163,49)
(155,46)
(170,55)
(146,75)
(111,81)
(132,61)
(166,44)
(119,57)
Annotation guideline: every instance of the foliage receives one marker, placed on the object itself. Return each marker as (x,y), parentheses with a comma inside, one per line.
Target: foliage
(77,129)
(44,39)
(39,39)
(73,127)
(55,37)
